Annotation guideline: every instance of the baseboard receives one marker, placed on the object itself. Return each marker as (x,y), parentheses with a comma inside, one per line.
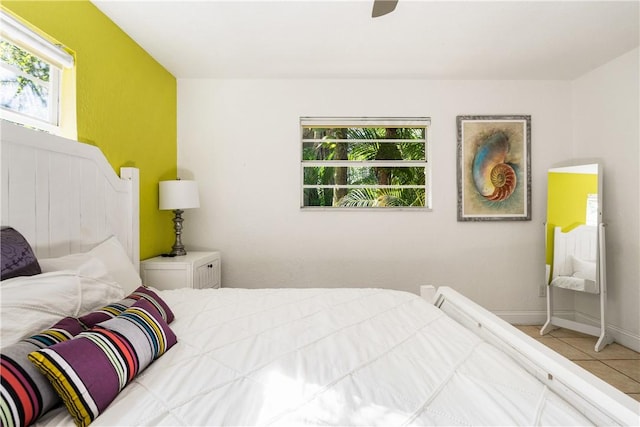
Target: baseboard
(619,335)
(625,338)
(527,317)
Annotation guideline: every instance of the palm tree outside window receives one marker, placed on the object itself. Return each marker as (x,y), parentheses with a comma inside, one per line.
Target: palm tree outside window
(365,163)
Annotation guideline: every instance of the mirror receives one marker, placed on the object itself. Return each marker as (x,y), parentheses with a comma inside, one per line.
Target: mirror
(574,213)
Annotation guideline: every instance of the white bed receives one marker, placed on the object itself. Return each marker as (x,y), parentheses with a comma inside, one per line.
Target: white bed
(317,356)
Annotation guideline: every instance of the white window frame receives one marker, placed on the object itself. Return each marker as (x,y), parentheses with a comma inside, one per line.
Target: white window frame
(344,122)
(15,32)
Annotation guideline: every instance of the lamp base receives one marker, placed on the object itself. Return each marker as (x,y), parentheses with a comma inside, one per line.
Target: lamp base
(177,251)
(178,248)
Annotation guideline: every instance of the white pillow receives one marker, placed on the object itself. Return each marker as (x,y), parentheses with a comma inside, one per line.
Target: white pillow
(82,263)
(118,264)
(108,261)
(583,269)
(30,304)
(98,287)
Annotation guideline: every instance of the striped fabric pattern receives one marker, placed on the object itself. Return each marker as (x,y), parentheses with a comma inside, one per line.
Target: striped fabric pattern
(25,394)
(107,312)
(153,298)
(64,330)
(90,370)
(114,309)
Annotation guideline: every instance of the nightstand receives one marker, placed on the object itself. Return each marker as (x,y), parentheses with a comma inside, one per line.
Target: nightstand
(196,270)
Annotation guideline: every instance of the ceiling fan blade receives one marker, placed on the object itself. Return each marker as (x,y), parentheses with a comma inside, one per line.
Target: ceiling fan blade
(382,7)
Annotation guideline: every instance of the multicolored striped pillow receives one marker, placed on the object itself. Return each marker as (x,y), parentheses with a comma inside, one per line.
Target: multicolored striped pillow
(90,370)
(112,310)
(25,394)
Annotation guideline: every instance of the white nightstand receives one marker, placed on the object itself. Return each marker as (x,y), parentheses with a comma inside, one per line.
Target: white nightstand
(197,270)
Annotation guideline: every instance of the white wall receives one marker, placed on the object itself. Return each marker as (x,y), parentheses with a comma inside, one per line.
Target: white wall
(606,126)
(240,140)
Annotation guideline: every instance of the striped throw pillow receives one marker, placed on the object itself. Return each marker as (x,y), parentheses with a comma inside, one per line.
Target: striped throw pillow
(25,394)
(112,310)
(90,370)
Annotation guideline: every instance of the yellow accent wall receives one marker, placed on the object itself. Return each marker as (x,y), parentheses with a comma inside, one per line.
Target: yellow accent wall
(126,102)
(567,202)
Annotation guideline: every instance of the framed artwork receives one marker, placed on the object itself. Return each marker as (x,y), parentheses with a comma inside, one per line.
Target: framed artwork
(494,168)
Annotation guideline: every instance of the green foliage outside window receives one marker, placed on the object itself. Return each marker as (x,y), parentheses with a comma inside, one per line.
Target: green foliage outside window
(399,185)
(24,81)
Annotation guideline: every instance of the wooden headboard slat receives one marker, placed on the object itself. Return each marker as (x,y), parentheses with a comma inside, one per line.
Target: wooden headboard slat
(63,196)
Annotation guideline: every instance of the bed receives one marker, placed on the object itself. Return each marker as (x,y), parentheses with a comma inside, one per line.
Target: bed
(270,356)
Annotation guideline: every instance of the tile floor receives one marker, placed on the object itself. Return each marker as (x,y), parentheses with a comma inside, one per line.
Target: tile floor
(615,364)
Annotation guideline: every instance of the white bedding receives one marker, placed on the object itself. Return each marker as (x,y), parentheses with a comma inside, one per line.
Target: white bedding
(575,284)
(327,357)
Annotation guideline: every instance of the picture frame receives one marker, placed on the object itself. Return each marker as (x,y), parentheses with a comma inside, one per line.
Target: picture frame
(494,167)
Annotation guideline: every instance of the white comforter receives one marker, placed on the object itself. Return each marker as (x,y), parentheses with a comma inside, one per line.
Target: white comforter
(327,357)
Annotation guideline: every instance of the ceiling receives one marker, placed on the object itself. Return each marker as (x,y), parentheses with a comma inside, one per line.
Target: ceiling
(519,40)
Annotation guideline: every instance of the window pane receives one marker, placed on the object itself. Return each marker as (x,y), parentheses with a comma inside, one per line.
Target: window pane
(24,96)
(24,80)
(332,150)
(367,175)
(24,61)
(370,162)
(364,197)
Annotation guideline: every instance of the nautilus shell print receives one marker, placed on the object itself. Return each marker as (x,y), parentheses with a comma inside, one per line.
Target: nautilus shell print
(494,178)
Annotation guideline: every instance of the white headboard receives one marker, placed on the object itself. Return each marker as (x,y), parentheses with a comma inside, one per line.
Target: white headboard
(63,196)
(581,242)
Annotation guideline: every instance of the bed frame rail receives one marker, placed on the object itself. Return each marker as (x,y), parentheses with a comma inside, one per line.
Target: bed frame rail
(599,401)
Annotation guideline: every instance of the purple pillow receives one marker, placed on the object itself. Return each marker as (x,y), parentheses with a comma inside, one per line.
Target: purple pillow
(25,393)
(18,258)
(112,310)
(89,371)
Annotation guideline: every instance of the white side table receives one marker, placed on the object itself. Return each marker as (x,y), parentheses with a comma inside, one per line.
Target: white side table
(198,270)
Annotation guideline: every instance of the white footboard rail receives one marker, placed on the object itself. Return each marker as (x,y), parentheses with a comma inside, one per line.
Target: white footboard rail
(597,400)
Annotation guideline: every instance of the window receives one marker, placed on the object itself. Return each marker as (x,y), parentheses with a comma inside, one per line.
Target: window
(31,75)
(365,163)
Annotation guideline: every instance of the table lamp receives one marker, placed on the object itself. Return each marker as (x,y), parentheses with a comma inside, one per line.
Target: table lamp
(178,195)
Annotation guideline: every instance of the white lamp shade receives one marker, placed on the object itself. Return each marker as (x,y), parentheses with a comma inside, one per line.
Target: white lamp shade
(179,194)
